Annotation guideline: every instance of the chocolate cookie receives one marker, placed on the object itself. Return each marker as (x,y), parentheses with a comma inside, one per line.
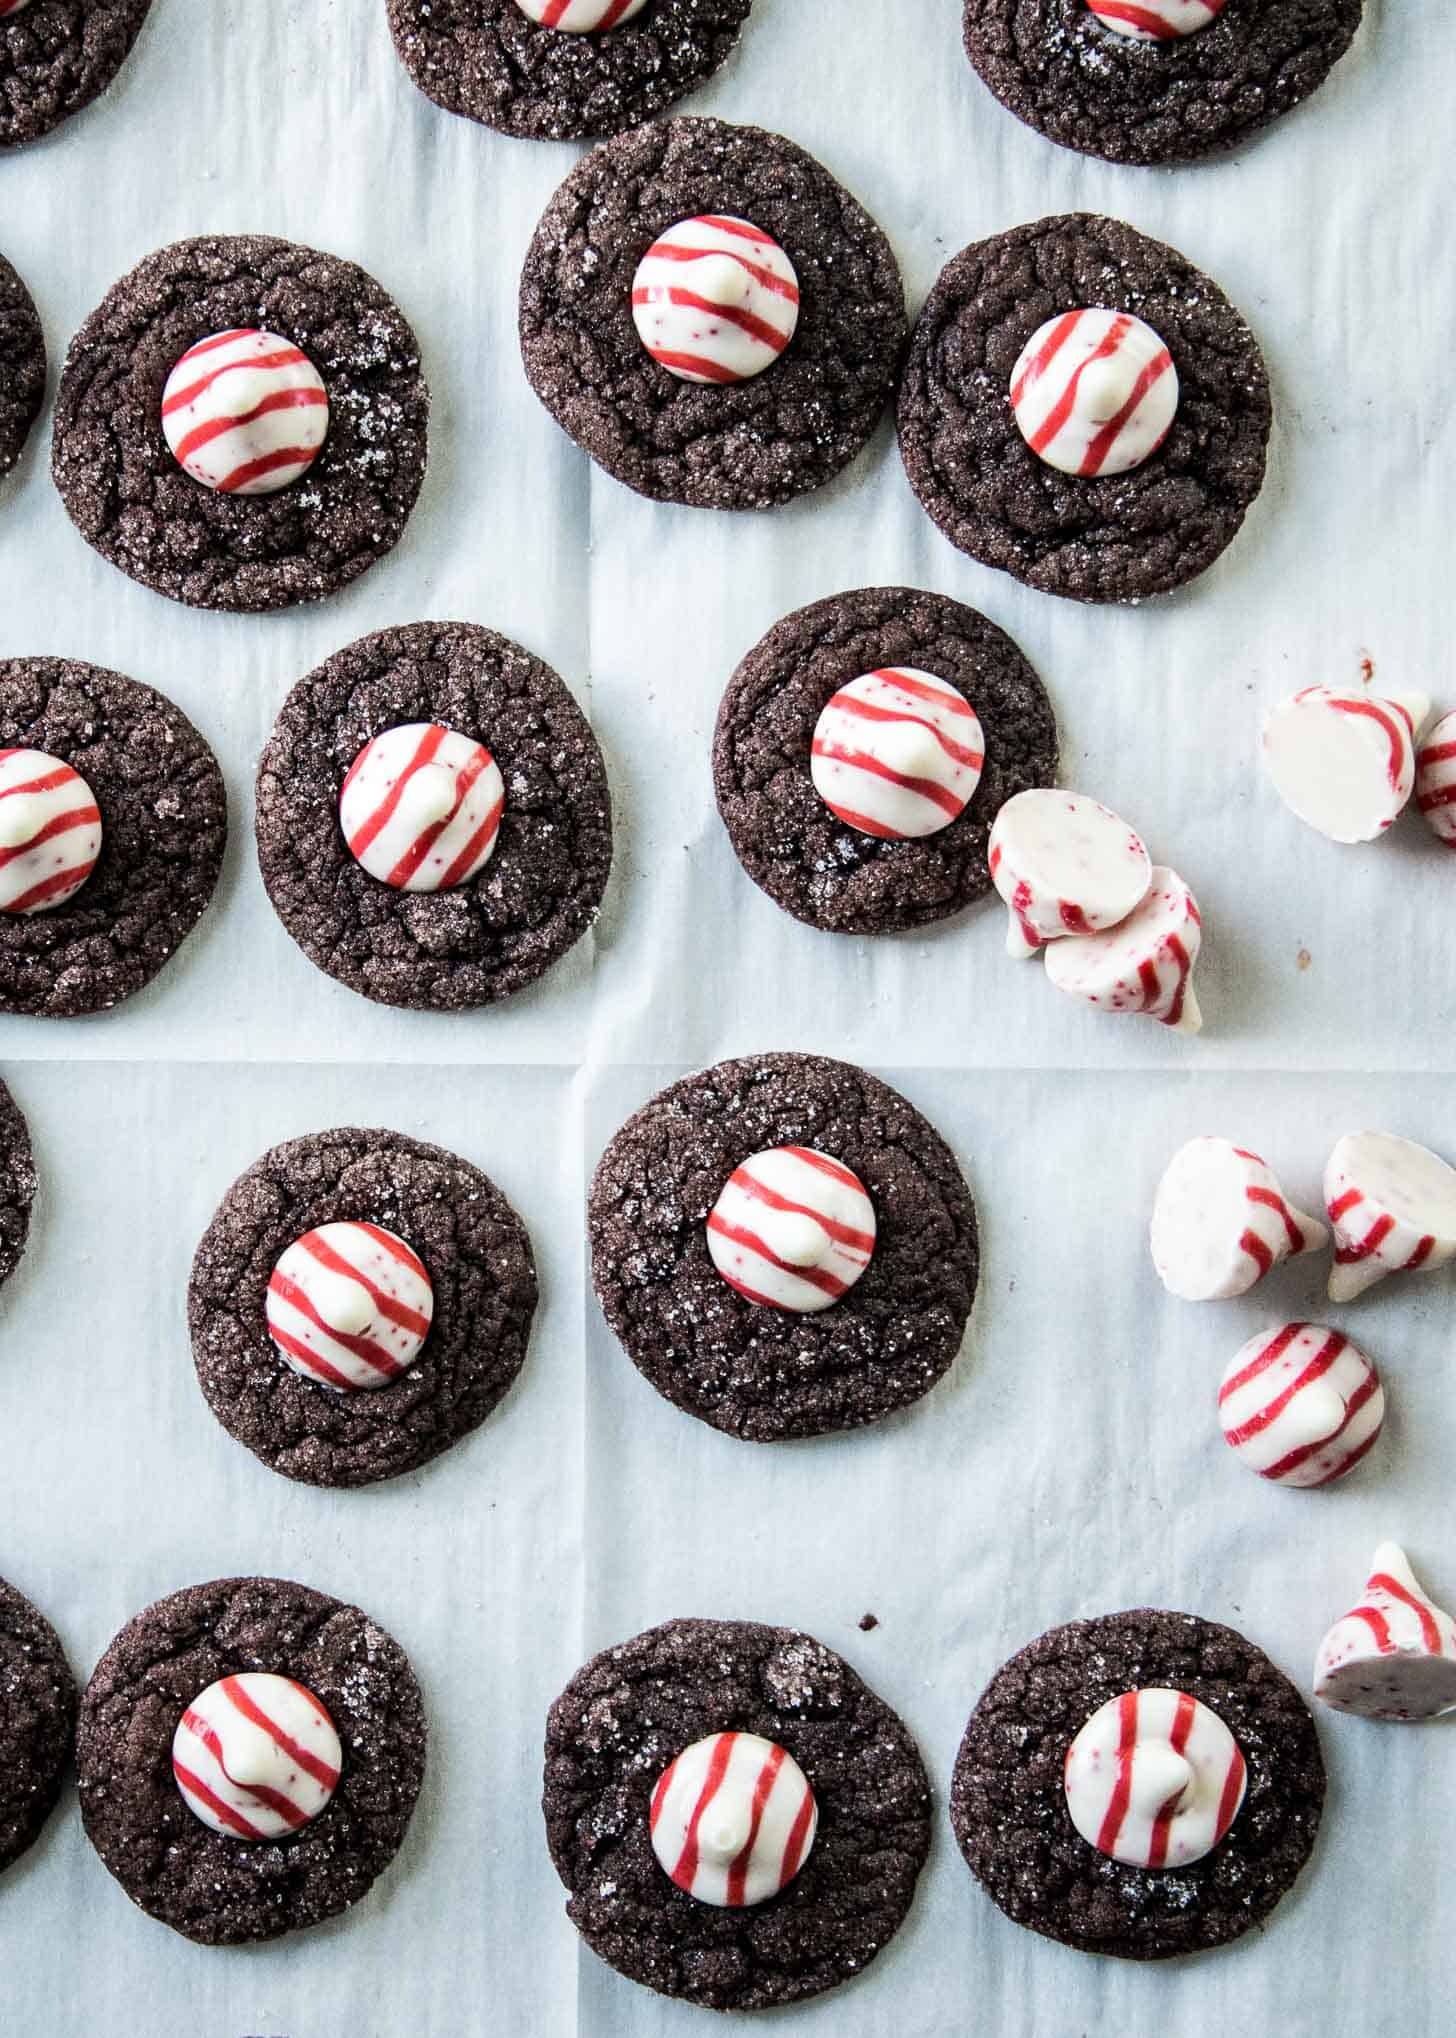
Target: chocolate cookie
(217,547)
(56,56)
(22,364)
(218,1888)
(163,823)
(478,1262)
(740,444)
(493,932)
(763,1372)
(631,1711)
(1008,1803)
(1104,536)
(37,1722)
(17,1183)
(491,61)
(1163,97)
(811,862)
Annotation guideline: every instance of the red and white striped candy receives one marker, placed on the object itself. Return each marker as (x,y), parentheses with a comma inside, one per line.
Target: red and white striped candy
(421,807)
(715,299)
(50,831)
(792,1228)
(1301,1405)
(581,17)
(1392,1205)
(1094,392)
(897,753)
(1436,778)
(1221,1222)
(256,1756)
(1393,1657)
(1344,763)
(8,7)
(1064,865)
(1144,964)
(1156,20)
(1155,1779)
(245,412)
(733,1819)
(350,1305)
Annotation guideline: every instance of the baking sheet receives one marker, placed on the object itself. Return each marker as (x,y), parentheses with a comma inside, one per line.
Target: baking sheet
(1069,1464)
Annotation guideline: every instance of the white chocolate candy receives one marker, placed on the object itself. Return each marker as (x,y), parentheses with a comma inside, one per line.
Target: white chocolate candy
(792,1228)
(50,831)
(1064,865)
(1144,964)
(421,807)
(1221,1222)
(581,17)
(256,1756)
(1393,1657)
(1301,1405)
(245,412)
(733,1819)
(1393,1208)
(1156,20)
(350,1305)
(897,753)
(1154,1779)
(1344,762)
(715,299)
(1436,778)
(1094,392)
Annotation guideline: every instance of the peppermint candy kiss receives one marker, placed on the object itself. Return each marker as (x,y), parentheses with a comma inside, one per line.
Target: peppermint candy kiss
(793,1229)
(1393,1657)
(1064,864)
(349,1305)
(1221,1222)
(1154,1779)
(733,1819)
(1393,1208)
(581,17)
(1094,392)
(50,831)
(715,299)
(1144,964)
(1436,778)
(1301,1405)
(421,807)
(256,1756)
(245,412)
(1156,20)
(897,753)
(1344,762)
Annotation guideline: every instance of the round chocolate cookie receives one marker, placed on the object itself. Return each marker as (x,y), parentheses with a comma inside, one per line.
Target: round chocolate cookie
(163,811)
(491,61)
(1100,537)
(723,444)
(220,547)
(480,1267)
(22,364)
(56,56)
(470,943)
(756,1371)
(631,1711)
(1008,1804)
(17,1183)
(1163,97)
(37,1722)
(809,861)
(222,1889)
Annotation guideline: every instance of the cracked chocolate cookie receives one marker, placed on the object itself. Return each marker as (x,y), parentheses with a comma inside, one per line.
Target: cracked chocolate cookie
(22,364)
(241,423)
(553,70)
(800,1865)
(56,56)
(784,1246)
(37,1722)
(1083,1730)
(1155,81)
(117,822)
(863,749)
(433,818)
(1084,409)
(250,1753)
(359,1303)
(17,1183)
(711,316)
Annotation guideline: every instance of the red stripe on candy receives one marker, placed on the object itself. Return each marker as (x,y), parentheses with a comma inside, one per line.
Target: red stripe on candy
(817,1277)
(1258,1252)
(1430,1633)
(1273,1351)
(1046,353)
(861,760)
(425,841)
(1162,1824)
(1107,438)
(731,314)
(48,888)
(1127,1718)
(1386,720)
(842,1234)
(320,1368)
(686,1871)
(763,1784)
(1319,1365)
(193,1784)
(475,847)
(398,1312)
(1380,1230)
(1136,17)
(59,824)
(270,463)
(379,820)
(1378,1625)
(361,1348)
(695,364)
(309,1763)
(218,428)
(1272,1200)
(284,357)
(794,1845)
(673,251)
(1343,1203)
(1061,410)
(952,703)
(1228,1803)
(1292,1460)
(870,711)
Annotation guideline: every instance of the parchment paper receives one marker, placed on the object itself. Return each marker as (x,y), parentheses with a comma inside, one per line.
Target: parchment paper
(1070,1464)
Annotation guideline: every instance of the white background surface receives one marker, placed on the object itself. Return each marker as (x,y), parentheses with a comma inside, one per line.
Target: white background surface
(1070,1464)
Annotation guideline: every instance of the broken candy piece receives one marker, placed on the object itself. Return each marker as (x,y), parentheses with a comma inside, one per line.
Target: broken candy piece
(1393,1208)
(1344,762)
(1143,965)
(1436,778)
(1064,865)
(1393,1657)
(1221,1221)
